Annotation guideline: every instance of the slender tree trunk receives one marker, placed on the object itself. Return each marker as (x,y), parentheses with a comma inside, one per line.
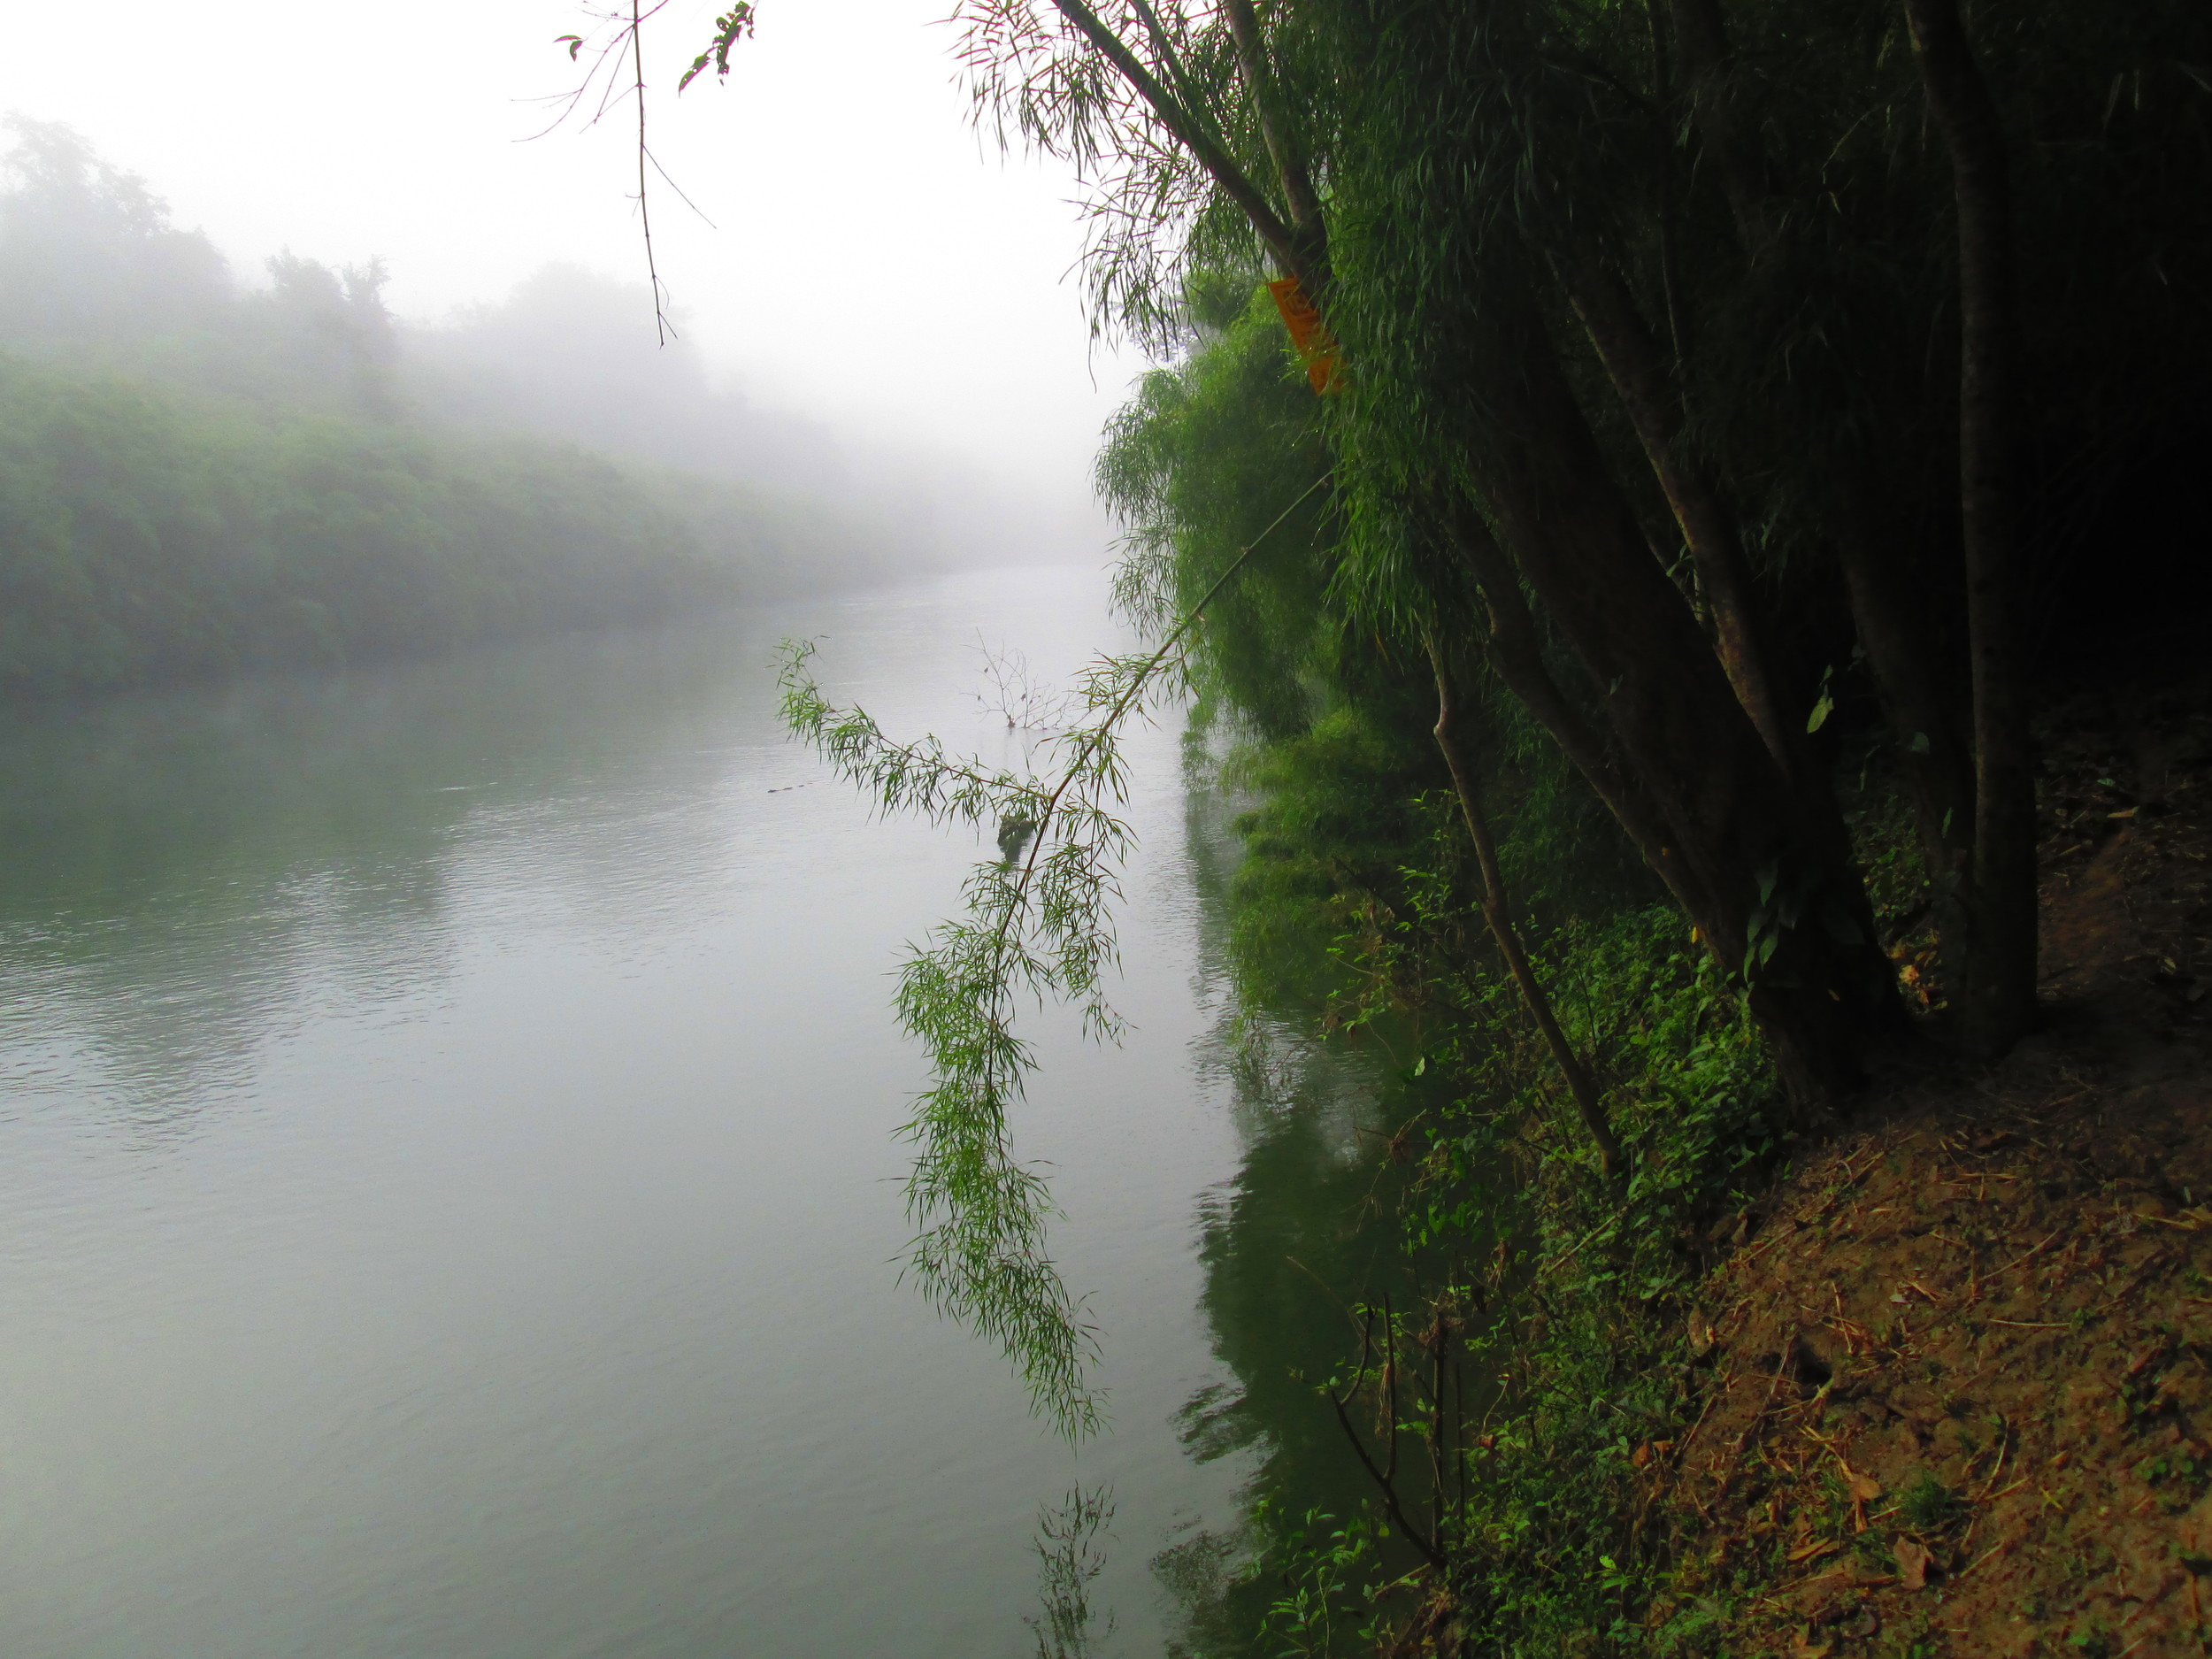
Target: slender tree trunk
(1516,654)
(1191,131)
(1998,1003)
(1905,655)
(1283,150)
(1640,377)
(1580,1084)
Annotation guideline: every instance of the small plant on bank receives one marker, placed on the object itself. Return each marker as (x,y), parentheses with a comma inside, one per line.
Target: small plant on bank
(1929,1506)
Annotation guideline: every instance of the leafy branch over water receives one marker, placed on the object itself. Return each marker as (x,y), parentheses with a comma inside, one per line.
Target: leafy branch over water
(1036,924)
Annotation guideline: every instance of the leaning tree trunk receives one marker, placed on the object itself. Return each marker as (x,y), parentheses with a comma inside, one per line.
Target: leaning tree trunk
(1760,869)
(1936,726)
(1584,1088)
(1997,1002)
(1640,379)
(1516,654)
(1777,898)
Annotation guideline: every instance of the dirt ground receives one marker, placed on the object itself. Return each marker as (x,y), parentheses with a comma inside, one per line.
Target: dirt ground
(1958,1364)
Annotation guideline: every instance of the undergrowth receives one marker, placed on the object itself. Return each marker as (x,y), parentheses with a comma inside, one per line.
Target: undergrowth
(1561,1314)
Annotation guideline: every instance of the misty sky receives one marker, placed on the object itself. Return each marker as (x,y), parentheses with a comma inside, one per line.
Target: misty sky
(875,265)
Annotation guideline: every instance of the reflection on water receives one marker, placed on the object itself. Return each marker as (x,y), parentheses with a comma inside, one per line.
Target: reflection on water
(447,1179)
(1306,1229)
(177,873)
(1071,1554)
(447,1170)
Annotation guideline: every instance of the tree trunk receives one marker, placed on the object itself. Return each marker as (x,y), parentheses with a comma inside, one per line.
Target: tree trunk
(1997,1004)
(1295,178)
(1282,241)
(1640,376)
(1779,901)
(1580,1084)
(1516,656)
(1973,788)
(1904,655)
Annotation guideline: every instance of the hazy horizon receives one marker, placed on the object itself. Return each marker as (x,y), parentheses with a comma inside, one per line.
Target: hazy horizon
(876,272)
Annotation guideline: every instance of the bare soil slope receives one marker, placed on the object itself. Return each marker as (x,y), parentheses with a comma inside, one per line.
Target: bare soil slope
(1959,1363)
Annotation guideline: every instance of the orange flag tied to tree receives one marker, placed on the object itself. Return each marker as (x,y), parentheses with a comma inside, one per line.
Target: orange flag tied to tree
(1317,346)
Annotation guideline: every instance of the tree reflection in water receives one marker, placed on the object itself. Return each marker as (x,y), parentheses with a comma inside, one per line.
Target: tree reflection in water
(1070,1557)
(1307,1230)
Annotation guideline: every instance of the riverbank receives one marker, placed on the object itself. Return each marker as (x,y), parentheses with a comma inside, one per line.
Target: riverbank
(1936,1382)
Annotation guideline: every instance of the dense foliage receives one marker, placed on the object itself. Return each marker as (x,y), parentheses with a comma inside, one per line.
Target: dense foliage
(1730,410)
(150,537)
(1857,321)
(1801,377)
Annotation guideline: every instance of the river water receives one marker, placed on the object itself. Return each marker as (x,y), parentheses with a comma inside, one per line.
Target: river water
(447,1170)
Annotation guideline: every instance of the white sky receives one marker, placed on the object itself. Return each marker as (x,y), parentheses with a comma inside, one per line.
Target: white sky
(876,265)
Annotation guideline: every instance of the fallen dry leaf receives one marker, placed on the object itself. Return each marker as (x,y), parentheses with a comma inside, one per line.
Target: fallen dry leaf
(1815,1551)
(1912,1563)
(1865,1488)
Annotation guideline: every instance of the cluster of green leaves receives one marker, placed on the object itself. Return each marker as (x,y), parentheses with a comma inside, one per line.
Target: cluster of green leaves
(1327,1566)
(1573,1292)
(1565,1294)
(1036,926)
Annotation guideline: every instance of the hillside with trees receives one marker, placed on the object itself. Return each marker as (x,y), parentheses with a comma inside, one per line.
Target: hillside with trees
(200,478)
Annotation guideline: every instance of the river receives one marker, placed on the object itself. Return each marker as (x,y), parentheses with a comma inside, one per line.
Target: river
(448,1195)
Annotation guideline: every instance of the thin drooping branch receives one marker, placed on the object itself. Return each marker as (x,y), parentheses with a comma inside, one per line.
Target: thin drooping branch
(1040,927)
(605,68)
(1588,1101)
(2001,999)
(1089,741)
(644,206)
(1190,132)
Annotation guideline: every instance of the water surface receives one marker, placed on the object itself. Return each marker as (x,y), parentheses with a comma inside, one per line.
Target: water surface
(447,1162)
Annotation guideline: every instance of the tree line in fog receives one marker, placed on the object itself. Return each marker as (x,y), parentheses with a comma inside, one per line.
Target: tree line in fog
(201,476)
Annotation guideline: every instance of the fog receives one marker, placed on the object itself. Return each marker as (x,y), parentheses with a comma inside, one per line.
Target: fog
(882,311)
